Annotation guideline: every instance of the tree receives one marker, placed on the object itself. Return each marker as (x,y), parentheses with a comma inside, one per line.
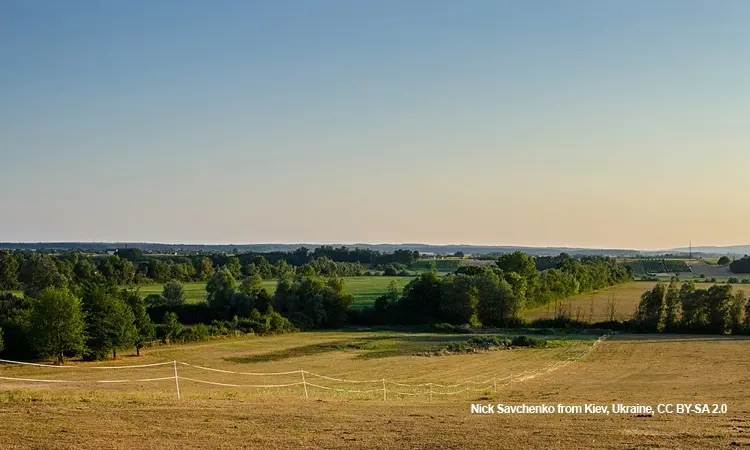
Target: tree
(251,284)
(459,298)
(737,311)
(233,265)
(40,272)
(1,341)
(221,288)
(723,261)
(57,323)
(673,307)
(8,271)
(204,269)
(421,300)
(111,323)
(144,328)
(173,293)
(498,304)
(651,313)
(171,327)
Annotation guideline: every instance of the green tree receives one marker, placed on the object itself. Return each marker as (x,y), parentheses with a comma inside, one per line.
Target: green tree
(204,269)
(144,327)
(234,267)
(221,289)
(39,273)
(723,261)
(171,327)
(652,309)
(110,322)
(498,304)
(251,284)
(718,304)
(57,323)
(8,271)
(173,293)
(2,347)
(673,312)
(737,311)
(459,298)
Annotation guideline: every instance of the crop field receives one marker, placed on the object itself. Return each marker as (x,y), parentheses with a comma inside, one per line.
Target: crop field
(622,300)
(364,289)
(630,369)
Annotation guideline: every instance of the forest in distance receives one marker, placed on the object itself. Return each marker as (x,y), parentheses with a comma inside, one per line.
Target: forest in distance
(97,301)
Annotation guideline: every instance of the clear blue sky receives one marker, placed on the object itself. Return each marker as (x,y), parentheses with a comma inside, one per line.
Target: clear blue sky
(580,123)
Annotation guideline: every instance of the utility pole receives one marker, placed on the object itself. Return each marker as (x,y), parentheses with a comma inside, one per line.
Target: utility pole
(691,249)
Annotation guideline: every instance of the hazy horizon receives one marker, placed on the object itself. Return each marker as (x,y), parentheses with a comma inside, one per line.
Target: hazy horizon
(619,125)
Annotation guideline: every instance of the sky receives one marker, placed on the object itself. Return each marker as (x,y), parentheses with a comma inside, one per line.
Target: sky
(582,123)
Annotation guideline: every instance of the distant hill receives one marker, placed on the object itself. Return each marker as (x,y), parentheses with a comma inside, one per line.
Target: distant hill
(265,248)
(739,250)
(152,247)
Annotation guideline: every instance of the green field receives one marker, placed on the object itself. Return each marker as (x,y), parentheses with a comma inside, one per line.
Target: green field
(364,289)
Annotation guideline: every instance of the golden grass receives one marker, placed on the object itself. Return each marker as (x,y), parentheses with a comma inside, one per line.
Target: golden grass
(594,306)
(628,368)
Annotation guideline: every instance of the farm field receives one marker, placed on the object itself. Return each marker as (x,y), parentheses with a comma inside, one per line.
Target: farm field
(364,289)
(624,297)
(642,369)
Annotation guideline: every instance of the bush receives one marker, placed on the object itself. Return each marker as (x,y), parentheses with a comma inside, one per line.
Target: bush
(452,329)
(746,281)
(478,343)
(733,280)
(525,341)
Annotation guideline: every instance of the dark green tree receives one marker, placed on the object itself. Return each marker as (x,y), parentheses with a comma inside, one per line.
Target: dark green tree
(171,327)
(57,323)
(8,271)
(173,293)
(652,309)
(673,305)
(459,297)
(144,327)
(110,322)
(39,273)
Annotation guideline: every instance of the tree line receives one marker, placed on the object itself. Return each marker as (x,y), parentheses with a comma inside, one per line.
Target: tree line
(103,319)
(674,308)
(32,272)
(65,314)
(493,296)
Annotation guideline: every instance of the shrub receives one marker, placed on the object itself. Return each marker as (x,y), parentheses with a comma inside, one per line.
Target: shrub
(454,329)
(525,341)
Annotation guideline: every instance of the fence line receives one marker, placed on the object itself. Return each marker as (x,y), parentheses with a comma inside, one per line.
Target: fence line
(490,384)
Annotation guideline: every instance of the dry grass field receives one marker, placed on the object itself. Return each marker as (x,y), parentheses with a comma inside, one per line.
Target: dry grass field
(595,306)
(626,368)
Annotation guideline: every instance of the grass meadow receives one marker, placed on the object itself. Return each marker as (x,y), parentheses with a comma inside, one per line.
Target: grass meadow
(364,289)
(631,369)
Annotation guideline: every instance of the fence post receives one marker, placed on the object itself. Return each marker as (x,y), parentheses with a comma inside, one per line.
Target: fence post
(385,395)
(176,379)
(430,385)
(304,383)
(494,384)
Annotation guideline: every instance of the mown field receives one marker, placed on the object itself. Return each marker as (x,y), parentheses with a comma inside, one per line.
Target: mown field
(364,289)
(633,369)
(595,306)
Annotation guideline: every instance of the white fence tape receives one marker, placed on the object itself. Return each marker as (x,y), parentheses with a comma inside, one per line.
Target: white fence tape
(491,384)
